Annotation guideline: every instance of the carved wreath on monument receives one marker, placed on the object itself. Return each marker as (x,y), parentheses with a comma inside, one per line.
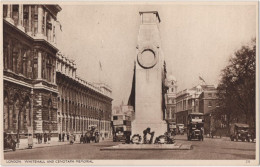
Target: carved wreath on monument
(147,57)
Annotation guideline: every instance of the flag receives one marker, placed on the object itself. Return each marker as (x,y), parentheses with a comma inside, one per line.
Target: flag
(100,65)
(201,79)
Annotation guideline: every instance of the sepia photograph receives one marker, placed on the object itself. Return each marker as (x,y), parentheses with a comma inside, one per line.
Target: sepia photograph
(129,83)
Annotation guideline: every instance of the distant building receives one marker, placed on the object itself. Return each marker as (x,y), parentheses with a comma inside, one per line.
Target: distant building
(208,101)
(170,115)
(124,110)
(187,101)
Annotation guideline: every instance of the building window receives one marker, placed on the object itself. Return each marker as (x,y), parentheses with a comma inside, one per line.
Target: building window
(15,14)
(26,17)
(43,22)
(49,28)
(5,11)
(35,19)
(210,104)
(115,118)
(172,89)
(210,94)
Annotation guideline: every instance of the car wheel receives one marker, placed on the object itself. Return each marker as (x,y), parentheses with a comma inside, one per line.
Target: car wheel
(243,140)
(236,138)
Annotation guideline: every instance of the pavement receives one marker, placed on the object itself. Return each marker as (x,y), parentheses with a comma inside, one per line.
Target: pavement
(209,149)
(54,142)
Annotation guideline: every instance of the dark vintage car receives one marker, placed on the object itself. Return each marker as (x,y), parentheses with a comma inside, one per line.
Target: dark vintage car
(239,131)
(195,126)
(180,129)
(9,142)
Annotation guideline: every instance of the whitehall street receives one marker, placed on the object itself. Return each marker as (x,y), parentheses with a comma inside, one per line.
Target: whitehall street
(209,149)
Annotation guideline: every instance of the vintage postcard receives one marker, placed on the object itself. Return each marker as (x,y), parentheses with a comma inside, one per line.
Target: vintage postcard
(129,83)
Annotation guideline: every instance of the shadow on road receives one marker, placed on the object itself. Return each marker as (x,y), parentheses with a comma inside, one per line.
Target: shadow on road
(241,149)
(243,156)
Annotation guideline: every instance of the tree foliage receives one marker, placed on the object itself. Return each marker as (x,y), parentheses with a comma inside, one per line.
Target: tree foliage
(236,89)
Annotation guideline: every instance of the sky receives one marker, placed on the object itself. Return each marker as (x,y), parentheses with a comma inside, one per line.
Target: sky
(197,40)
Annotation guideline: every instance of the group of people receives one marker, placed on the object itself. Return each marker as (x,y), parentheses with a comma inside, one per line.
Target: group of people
(62,137)
(46,138)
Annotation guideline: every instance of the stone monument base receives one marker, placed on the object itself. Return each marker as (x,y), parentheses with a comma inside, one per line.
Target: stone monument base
(148,147)
(158,127)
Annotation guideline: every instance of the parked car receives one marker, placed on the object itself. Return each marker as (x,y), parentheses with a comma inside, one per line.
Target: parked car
(239,131)
(180,129)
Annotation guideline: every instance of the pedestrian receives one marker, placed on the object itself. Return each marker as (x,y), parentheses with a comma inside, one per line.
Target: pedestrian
(40,138)
(49,138)
(59,137)
(63,136)
(68,136)
(45,138)
(81,138)
(71,138)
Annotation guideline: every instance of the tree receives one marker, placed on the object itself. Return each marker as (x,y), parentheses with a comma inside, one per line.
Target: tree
(236,90)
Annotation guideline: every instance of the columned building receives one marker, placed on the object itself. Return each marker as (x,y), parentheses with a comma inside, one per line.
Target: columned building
(42,93)
(81,104)
(29,56)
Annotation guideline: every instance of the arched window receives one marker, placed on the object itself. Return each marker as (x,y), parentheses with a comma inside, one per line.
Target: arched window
(49,27)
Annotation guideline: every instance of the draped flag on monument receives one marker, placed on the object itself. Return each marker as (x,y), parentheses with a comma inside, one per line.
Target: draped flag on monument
(131,100)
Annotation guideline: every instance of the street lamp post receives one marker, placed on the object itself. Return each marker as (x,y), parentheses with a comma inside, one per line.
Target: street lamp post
(209,125)
(31,120)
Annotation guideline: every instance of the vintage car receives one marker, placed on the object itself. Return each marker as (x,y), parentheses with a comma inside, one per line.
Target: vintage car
(180,129)
(9,142)
(195,126)
(239,131)
(121,133)
(172,130)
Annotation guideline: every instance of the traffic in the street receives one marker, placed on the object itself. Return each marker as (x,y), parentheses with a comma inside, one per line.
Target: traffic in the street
(211,148)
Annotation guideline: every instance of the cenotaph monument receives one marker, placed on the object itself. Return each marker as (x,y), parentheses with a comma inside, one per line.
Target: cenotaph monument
(148,90)
(149,77)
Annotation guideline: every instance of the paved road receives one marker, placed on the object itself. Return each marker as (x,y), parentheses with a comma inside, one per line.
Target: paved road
(219,149)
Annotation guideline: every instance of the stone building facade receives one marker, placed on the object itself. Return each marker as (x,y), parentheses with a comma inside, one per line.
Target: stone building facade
(40,86)
(29,56)
(81,104)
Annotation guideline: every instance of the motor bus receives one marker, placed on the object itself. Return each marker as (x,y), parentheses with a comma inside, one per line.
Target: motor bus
(121,128)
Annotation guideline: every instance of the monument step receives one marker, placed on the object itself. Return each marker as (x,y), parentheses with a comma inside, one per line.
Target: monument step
(148,147)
